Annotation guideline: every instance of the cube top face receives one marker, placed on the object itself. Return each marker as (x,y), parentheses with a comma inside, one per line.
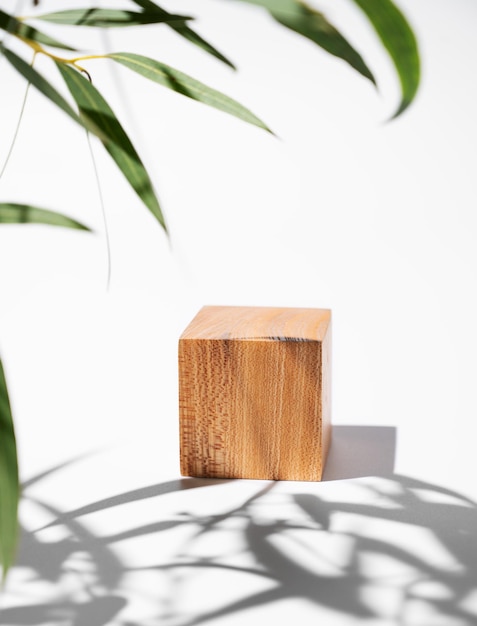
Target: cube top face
(259,324)
(254,393)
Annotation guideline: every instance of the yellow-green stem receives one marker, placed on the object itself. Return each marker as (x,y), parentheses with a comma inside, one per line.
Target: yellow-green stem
(74,61)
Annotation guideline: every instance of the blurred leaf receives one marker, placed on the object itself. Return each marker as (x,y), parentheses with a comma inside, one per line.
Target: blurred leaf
(108,18)
(186,85)
(12,25)
(184,31)
(388,21)
(9,485)
(11,213)
(310,23)
(98,117)
(314,26)
(400,41)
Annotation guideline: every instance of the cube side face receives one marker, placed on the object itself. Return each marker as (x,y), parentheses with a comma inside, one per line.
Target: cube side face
(253,409)
(326,428)
(203,408)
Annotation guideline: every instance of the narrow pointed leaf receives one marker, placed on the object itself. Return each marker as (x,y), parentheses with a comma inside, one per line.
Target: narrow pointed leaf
(109,18)
(12,25)
(98,117)
(38,81)
(186,85)
(399,40)
(47,89)
(9,484)
(310,23)
(184,31)
(12,213)
(313,25)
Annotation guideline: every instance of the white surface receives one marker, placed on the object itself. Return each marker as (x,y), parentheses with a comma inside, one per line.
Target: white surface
(375,221)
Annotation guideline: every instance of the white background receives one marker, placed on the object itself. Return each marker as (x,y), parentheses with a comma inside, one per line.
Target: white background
(372,219)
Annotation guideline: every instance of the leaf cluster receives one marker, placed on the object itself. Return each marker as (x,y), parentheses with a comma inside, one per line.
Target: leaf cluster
(97,117)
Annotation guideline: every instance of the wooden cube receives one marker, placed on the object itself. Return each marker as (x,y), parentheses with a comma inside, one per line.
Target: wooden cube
(254,393)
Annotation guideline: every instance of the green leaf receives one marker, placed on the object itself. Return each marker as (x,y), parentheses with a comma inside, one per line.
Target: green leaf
(37,80)
(186,85)
(388,21)
(98,117)
(314,26)
(310,23)
(12,25)
(400,42)
(109,18)
(9,484)
(184,31)
(12,213)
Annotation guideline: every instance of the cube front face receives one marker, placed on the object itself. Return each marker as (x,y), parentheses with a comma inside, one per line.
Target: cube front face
(254,404)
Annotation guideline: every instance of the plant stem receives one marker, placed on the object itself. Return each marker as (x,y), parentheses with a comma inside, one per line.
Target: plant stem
(15,134)
(38,49)
(103,212)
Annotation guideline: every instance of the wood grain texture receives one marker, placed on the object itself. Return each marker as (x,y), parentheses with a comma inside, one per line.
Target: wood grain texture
(254,393)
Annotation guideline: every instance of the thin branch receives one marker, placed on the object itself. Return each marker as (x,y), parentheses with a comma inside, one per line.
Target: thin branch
(17,128)
(103,212)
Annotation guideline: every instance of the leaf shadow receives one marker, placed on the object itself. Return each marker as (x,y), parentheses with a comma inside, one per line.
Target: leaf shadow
(285,531)
(48,561)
